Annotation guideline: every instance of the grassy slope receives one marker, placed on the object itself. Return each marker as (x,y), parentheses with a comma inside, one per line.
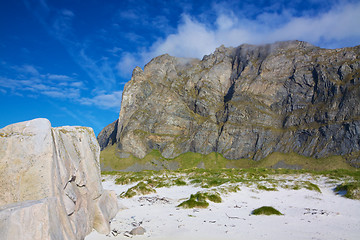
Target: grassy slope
(110,161)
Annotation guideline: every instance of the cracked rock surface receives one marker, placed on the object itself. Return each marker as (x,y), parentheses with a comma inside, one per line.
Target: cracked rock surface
(50,183)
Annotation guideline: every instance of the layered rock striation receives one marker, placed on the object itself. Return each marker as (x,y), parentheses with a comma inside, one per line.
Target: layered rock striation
(50,183)
(244,102)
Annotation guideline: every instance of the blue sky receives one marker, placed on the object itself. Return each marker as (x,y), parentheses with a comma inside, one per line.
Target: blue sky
(68,60)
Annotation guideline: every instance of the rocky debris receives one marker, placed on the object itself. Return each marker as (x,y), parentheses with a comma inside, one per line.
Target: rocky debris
(114,232)
(244,102)
(50,183)
(127,234)
(154,200)
(138,231)
(314,211)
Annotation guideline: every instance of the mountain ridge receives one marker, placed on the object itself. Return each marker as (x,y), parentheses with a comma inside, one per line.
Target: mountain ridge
(244,102)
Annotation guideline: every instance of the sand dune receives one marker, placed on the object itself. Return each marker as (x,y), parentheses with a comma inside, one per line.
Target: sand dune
(307,214)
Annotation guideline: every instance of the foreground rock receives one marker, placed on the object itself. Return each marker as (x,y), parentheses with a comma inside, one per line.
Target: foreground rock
(50,183)
(244,102)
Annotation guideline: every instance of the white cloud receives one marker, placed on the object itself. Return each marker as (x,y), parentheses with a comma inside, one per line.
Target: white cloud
(27,69)
(193,39)
(127,63)
(58,77)
(331,28)
(104,100)
(337,27)
(27,80)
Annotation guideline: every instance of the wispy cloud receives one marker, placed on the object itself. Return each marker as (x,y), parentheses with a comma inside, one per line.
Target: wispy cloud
(30,81)
(104,100)
(332,27)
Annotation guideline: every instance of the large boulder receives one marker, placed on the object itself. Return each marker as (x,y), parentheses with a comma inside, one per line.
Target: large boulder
(50,183)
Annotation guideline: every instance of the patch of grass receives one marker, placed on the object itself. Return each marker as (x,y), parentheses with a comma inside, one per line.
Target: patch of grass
(264,188)
(141,188)
(109,159)
(232,188)
(352,190)
(214,182)
(197,200)
(312,187)
(296,187)
(266,210)
(214,197)
(132,177)
(180,182)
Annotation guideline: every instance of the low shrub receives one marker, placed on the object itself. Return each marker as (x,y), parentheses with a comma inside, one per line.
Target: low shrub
(198,200)
(141,188)
(266,210)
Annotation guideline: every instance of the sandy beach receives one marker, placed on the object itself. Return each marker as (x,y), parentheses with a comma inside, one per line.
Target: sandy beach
(307,214)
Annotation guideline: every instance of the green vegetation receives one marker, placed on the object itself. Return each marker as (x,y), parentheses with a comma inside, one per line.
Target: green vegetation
(351,190)
(316,164)
(214,197)
(262,187)
(226,181)
(140,188)
(266,210)
(198,200)
(312,187)
(180,182)
(111,159)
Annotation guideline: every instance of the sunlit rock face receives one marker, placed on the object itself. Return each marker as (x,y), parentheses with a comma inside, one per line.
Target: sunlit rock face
(50,183)
(244,102)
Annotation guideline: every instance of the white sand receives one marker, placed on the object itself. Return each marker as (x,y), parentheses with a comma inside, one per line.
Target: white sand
(307,215)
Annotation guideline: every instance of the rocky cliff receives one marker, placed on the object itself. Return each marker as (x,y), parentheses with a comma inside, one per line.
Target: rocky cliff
(50,183)
(244,102)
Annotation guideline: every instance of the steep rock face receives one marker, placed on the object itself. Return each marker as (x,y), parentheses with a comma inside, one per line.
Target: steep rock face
(246,102)
(50,183)
(107,136)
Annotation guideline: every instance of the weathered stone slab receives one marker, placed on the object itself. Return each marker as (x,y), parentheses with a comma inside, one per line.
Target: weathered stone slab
(50,183)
